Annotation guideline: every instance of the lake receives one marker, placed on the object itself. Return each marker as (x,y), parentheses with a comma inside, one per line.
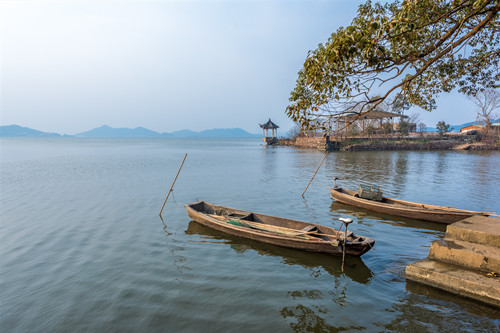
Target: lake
(84,250)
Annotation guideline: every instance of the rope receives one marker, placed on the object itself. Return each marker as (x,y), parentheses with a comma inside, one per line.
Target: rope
(336,241)
(173,197)
(381,263)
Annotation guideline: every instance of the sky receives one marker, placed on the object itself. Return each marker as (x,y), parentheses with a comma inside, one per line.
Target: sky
(68,66)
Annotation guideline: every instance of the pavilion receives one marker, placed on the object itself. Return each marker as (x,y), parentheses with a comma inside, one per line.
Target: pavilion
(265,132)
(341,121)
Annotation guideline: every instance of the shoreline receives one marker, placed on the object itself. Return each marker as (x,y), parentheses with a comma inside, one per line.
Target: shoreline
(457,142)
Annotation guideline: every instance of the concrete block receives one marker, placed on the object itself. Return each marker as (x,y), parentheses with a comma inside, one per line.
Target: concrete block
(457,280)
(476,229)
(471,255)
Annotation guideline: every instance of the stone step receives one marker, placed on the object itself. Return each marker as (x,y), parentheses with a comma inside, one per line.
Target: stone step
(457,280)
(471,255)
(476,229)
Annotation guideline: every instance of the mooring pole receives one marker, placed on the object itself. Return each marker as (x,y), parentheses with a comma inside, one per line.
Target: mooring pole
(314,174)
(343,252)
(171,187)
(345,221)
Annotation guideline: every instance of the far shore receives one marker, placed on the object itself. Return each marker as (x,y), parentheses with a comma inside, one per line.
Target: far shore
(427,141)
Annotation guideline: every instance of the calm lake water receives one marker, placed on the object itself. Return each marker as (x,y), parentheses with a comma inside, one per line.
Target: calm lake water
(83,249)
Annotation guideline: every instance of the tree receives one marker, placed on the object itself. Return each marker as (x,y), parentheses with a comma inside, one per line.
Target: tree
(294,132)
(399,104)
(353,130)
(411,50)
(421,127)
(414,117)
(385,105)
(387,128)
(370,130)
(487,101)
(443,128)
(403,127)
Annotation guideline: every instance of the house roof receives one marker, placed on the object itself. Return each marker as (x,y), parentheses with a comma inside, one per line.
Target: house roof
(374,114)
(269,125)
(471,127)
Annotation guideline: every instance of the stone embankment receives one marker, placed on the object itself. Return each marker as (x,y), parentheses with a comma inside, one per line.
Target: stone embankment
(365,144)
(431,145)
(465,262)
(314,142)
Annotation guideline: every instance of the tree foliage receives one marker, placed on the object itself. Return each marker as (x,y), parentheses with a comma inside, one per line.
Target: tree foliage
(443,127)
(411,50)
(399,104)
(387,128)
(370,130)
(403,127)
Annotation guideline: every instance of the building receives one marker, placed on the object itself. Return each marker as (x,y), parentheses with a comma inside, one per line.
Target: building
(265,132)
(374,118)
(471,128)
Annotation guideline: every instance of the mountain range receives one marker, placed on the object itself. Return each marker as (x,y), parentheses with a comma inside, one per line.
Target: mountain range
(456,128)
(139,132)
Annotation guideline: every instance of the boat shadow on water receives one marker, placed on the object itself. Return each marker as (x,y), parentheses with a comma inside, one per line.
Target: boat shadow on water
(354,267)
(361,213)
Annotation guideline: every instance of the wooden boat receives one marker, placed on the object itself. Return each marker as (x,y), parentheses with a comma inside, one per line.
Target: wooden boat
(413,210)
(278,231)
(356,270)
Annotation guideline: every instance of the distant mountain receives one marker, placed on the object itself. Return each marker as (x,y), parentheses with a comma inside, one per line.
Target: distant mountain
(109,132)
(215,133)
(184,134)
(139,132)
(24,132)
(456,128)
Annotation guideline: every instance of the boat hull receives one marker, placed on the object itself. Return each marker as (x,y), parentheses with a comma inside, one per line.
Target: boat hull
(356,245)
(412,210)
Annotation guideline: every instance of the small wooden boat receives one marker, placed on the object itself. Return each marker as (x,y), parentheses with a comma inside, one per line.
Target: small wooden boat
(356,270)
(279,231)
(413,210)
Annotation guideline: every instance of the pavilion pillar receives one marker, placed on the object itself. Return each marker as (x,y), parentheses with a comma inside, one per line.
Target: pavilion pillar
(345,127)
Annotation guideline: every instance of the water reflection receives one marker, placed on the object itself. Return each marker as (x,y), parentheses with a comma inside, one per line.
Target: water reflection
(165,227)
(361,214)
(308,320)
(437,296)
(269,167)
(178,260)
(354,267)
(441,312)
(401,166)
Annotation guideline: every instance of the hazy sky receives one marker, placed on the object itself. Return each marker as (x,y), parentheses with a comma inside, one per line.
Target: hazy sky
(68,66)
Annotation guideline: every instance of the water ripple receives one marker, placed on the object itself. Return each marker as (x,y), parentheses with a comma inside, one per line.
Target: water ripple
(83,248)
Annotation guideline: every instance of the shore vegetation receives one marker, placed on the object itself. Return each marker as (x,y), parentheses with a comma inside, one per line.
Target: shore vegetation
(403,53)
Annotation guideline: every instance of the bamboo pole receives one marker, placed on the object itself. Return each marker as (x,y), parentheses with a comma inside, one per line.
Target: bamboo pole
(314,174)
(343,248)
(171,187)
